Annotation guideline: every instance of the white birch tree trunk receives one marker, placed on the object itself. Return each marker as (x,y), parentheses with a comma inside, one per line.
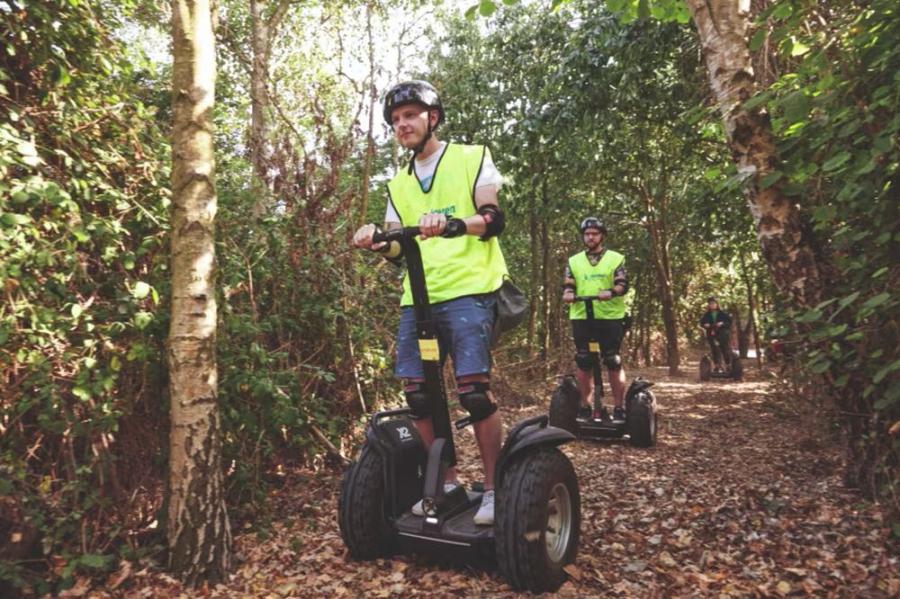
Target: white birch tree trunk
(786,243)
(197,527)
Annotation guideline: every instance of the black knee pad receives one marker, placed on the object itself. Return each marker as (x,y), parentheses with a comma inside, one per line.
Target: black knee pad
(417,400)
(585,360)
(474,398)
(613,362)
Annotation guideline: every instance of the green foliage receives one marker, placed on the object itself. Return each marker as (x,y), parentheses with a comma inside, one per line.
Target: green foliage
(81,231)
(835,114)
(587,115)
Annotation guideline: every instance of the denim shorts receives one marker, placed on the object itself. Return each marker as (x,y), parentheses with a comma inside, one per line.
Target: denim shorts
(464,332)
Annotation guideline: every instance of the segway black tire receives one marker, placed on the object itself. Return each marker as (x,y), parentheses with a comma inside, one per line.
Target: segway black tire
(530,556)
(564,406)
(640,419)
(737,368)
(361,518)
(705,368)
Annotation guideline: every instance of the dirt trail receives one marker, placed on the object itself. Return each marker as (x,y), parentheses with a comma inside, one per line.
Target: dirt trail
(738,498)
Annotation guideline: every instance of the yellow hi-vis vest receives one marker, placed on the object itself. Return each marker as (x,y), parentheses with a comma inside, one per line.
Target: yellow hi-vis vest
(455,267)
(591,280)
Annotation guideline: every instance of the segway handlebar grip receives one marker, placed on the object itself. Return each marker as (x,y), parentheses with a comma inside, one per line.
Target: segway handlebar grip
(394,234)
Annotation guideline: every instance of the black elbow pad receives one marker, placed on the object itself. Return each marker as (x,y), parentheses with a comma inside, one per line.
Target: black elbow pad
(494,221)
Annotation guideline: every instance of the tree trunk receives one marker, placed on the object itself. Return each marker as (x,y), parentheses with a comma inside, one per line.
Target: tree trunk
(260,145)
(545,297)
(742,330)
(751,304)
(199,535)
(535,279)
(786,241)
(370,133)
(660,258)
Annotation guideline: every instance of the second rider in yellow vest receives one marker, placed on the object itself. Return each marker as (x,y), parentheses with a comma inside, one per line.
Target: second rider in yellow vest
(598,272)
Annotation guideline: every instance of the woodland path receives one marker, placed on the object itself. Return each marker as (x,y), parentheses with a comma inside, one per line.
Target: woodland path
(740,497)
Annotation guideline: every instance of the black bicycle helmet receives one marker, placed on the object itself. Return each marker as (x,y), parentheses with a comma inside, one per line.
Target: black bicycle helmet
(592,222)
(413,92)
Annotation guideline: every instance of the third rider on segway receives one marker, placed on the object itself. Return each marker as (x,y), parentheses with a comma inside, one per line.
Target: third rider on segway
(717,324)
(601,272)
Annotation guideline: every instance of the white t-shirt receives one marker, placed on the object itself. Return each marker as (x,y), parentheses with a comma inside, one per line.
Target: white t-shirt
(489,175)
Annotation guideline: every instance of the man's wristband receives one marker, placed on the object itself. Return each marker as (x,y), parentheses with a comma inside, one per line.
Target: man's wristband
(568,286)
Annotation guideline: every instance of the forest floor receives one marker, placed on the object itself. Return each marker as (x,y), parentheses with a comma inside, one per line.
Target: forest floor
(741,496)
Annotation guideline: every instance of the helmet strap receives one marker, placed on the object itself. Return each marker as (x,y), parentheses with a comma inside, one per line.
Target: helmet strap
(421,146)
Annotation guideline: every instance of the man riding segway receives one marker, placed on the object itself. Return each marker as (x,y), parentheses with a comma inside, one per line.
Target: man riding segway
(461,280)
(724,364)
(717,324)
(600,272)
(595,283)
(401,492)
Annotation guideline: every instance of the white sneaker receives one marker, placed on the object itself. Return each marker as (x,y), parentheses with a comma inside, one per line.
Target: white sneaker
(485,514)
(418,510)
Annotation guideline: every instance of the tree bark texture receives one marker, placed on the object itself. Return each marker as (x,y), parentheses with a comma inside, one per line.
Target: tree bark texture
(786,242)
(199,535)
(370,132)
(535,275)
(659,255)
(260,144)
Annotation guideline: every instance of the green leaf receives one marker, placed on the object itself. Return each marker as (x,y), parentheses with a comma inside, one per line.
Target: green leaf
(140,290)
(795,106)
(26,148)
(757,40)
(13,219)
(836,161)
(820,367)
(770,179)
(76,310)
(782,11)
(142,319)
(756,100)
(643,9)
(487,8)
(874,302)
(94,560)
(799,48)
(81,393)
(879,376)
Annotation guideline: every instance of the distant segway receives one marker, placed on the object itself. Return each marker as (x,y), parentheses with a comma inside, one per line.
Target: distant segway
(537,518)
(708,371)
(640,404)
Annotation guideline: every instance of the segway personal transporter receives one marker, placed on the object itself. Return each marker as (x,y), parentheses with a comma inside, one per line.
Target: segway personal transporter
(537,506)
(735,370)
(639,423)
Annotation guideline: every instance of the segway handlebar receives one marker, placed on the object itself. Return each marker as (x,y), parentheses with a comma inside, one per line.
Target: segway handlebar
(587,298)
(454,228)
